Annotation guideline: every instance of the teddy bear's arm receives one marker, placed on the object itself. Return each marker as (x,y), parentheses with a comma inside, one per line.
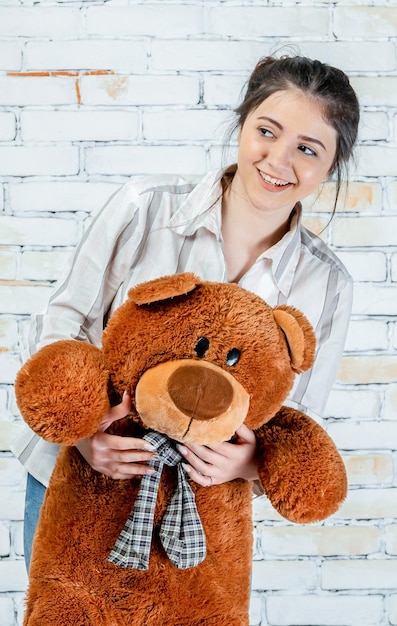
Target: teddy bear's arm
(62,391)
(300,469)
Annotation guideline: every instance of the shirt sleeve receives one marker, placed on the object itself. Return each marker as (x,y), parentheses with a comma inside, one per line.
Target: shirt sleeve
(83,295)
(311,389)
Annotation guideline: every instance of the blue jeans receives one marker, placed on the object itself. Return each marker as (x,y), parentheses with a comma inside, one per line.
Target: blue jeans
(35,492)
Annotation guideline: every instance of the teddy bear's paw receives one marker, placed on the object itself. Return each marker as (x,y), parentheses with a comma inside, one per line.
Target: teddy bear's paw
(62,391)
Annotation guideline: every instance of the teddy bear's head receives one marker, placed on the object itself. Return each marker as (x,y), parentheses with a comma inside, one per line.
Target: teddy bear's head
(200,358)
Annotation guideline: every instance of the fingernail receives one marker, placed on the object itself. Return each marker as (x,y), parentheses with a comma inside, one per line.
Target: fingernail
(181,448)
(150,471)
(186,467)
(148,447)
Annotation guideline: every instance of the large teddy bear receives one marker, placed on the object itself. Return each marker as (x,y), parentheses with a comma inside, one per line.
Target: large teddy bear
(198,359)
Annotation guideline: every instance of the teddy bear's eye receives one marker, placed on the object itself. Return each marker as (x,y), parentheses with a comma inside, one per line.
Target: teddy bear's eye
(202,346)
(233,356)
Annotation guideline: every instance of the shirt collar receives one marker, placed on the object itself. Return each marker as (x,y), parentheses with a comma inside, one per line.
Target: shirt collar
(202,209)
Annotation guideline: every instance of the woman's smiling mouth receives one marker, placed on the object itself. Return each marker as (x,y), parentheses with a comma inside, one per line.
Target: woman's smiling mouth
(276,183)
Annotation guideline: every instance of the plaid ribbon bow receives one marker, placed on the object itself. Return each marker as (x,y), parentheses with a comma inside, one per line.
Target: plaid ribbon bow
(181,532)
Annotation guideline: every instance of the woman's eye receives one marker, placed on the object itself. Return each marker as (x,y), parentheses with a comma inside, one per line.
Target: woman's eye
(266,132)
(307,150)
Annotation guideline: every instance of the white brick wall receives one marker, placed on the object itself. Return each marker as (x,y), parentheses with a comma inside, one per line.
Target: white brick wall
(94,93)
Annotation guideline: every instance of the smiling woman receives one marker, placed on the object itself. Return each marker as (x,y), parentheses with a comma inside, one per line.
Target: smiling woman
(297,126)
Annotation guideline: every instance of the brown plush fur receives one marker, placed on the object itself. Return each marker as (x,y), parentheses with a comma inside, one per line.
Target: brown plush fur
(150,349)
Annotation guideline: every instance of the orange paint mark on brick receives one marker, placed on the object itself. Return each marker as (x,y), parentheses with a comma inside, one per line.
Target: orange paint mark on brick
(365,195)
(115,86)
(98,72)
(3,349)
(78,93)
(64,73)
(36,74)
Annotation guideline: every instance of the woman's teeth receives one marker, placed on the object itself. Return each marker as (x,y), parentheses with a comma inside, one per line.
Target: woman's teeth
(273,181)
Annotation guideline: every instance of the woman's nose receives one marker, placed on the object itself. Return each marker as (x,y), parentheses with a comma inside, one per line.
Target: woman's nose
(279,155)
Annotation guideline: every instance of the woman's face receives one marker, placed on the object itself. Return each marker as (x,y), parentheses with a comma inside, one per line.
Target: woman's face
(286,150)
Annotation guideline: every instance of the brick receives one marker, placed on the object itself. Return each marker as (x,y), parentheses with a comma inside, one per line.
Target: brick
(360,574)
(12,575)
(329,610)
(363,435)
(368,504)
(367,370)
(10,56)
(145,160)
(223,90)
(25,90)
(391,539)
(9,365)
(369,469)
(192,125)
(17,537)
(255,610)
(92,54)
(367,335)
(79,125)
(246,21)
(283,575)
(8,263)
(38,21)
(43,265)
(6,611)
(60,196)
(375,91)
(390,406)
(393,609)
(11,472)
(46,160)
(22,299)
(374,299)
(368,21)
(262,510)
(124,89)
(353,56)
(8,333)
(7,432)
(206,55)
(374,127)
(377,160)
(394,267)
(394,335)
(38,231)
(354,196)
(353,403)
(392,195)
(149,19)
(5,540)
(368,231)
(7,126)
(12,504)
(307,540)
(365,266)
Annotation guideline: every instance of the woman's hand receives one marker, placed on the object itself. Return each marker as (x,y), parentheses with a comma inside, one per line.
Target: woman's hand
(213,465)
(114,456)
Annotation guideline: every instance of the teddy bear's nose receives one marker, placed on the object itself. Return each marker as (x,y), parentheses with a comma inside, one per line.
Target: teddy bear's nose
(199,392)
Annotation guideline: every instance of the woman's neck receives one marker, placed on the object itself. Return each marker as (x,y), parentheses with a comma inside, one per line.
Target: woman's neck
(247,233)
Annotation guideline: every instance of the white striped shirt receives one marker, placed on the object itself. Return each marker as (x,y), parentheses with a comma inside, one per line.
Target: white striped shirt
(165,225)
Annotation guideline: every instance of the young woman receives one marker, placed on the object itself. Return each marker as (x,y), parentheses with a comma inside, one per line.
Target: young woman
(297,126)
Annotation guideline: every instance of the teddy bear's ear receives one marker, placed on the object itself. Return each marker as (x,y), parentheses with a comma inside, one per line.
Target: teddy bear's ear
(164,288)
(299,336)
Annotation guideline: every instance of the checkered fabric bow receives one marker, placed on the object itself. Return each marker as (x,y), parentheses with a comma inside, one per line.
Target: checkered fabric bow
(181,532)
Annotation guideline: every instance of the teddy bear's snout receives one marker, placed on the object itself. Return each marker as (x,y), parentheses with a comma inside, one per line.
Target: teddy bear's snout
(191,401)
(200,392)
